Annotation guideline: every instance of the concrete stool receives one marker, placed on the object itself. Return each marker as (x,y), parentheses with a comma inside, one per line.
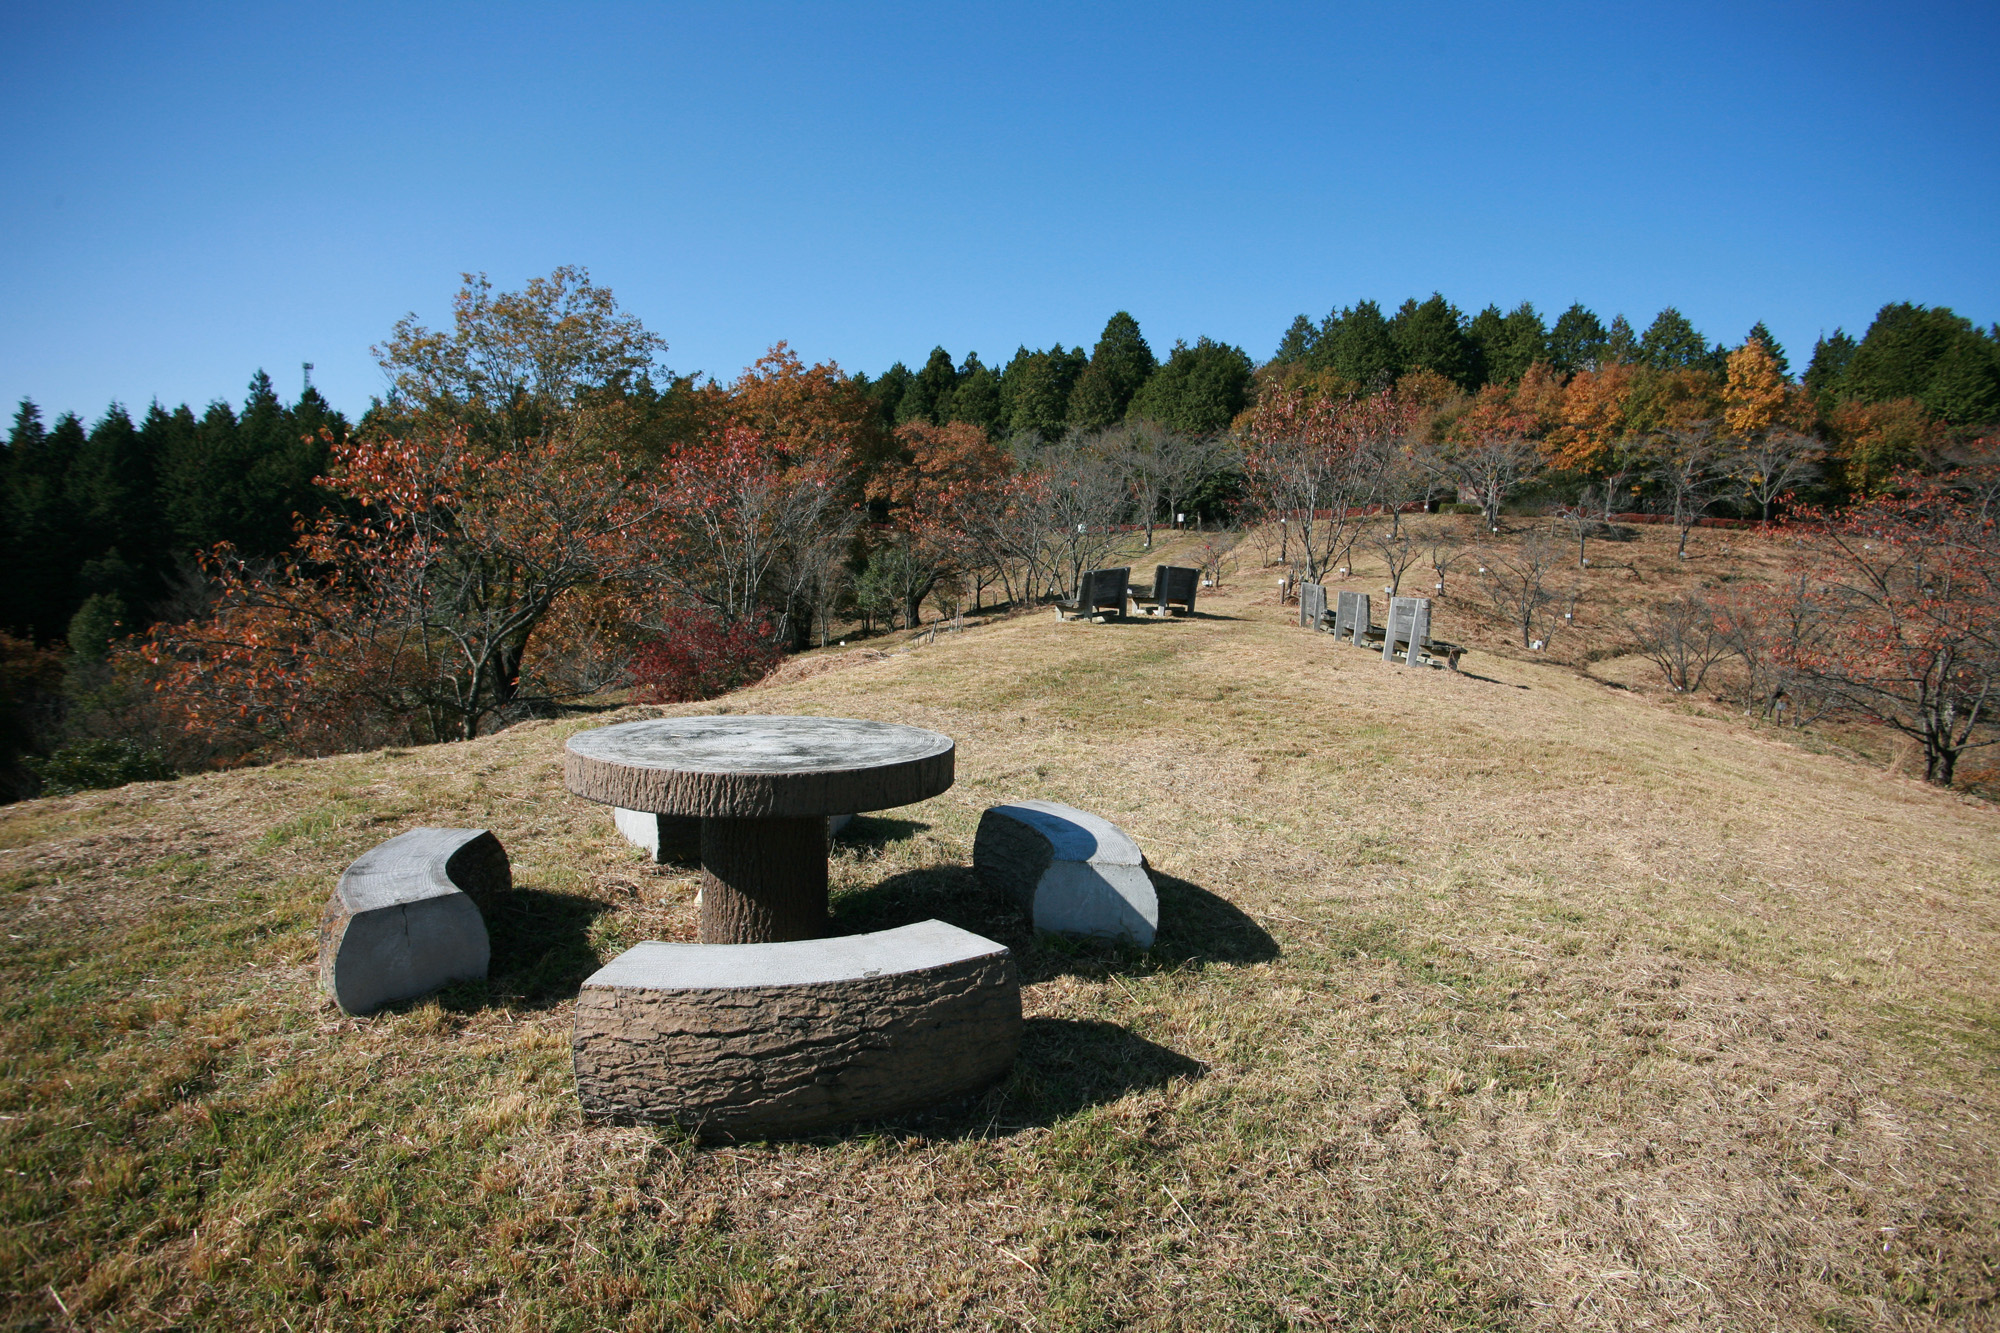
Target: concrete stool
(1072,872)
(399,924)
(676,839)
(740,1040)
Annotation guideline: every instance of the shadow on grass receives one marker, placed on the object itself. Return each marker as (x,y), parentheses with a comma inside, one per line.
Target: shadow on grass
(1066,1066)
(541,950)
(1197,927)
(876,833)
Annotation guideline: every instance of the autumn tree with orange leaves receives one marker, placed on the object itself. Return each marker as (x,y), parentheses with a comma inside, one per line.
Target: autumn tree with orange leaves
(936,491)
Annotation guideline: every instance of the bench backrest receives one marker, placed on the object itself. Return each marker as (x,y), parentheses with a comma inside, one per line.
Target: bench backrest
(1350,619)
(1409,625)
(1104,587)
(1173,583)
(1312,604)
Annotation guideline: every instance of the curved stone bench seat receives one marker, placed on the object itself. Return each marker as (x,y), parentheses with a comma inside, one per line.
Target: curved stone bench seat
(736,1040)
(399,924)
(1073,872)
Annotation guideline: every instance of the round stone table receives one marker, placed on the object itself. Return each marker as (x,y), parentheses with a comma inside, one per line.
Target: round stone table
(762,788)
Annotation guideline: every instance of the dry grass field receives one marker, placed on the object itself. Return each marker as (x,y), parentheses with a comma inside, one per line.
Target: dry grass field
(1505,999)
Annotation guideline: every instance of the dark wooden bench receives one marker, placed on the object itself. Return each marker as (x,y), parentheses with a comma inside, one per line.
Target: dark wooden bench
(1352,622)
(1101,592)
(1409,631)
(1312,605)
(1173,588)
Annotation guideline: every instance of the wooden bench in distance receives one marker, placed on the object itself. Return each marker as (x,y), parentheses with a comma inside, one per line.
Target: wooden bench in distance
(1409,630)
(1073,872)
(740,1040)
(1352,621)
(1312,605)
(399,924)
(1100,592)
(1174,588)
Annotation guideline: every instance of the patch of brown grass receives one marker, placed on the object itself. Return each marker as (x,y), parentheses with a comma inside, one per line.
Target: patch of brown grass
(1495,1000)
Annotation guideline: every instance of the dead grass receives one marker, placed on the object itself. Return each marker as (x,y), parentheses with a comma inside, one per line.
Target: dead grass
(1504,1002)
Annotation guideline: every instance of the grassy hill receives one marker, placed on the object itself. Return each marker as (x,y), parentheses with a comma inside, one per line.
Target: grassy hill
(1495,1000)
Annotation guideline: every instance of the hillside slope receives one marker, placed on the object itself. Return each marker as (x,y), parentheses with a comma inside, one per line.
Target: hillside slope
(1502,999)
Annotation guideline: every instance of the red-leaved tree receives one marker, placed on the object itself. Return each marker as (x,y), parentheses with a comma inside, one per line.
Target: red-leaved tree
(1909,585)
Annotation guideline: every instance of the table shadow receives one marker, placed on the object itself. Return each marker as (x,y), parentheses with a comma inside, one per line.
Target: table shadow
(876,832)
(1197,927)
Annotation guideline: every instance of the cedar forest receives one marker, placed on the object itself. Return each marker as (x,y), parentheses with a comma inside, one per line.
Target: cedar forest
(538,511)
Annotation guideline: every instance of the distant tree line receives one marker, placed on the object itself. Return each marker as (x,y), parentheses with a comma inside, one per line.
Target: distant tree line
(1057,391)
(105,520)
(537,504)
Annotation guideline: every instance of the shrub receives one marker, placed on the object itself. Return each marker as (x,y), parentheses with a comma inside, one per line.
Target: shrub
(83,765)
(1454,507)
(699,657)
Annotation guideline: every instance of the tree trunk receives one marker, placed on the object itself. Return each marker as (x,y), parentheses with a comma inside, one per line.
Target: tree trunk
(763,880)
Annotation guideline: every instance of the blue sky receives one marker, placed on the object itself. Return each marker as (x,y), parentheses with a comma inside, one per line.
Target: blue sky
(193,192)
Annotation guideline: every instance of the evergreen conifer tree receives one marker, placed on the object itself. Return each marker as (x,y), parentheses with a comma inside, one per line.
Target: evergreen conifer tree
(1487,332)
(1297,344)
(1198,391)
(1671,343)
(1826,374)
(928,396)
(1362,348)
(1119,364)
(1620,343)
(1036,388)
(1431,336)
(1758,333)
(1578,340)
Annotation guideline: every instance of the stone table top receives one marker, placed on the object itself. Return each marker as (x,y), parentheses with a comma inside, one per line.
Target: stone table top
(751,767)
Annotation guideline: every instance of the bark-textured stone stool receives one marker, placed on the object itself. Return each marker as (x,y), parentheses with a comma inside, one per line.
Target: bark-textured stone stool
(763,788)
(1072,872)
(399,924)
(752,1039)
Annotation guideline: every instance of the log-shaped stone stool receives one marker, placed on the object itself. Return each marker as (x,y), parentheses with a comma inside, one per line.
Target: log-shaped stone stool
(749,1039)
(399,924)
(762,788)
(1071,871)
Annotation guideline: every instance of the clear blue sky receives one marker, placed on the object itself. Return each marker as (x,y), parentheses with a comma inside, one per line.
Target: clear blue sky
(194,191)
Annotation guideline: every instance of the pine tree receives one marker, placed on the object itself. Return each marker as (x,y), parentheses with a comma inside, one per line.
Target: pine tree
(1932,355)
(40,517)
(1119,364)
(1671,343)
(1578,341)
(1487,332)
(1758,333)
(1431,336)
(1362,348)
(1523,340)
(1297,344)
(1036,388)
(1826,374)
(1621,345)
(1198,391)
(928,396)
(977,397)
